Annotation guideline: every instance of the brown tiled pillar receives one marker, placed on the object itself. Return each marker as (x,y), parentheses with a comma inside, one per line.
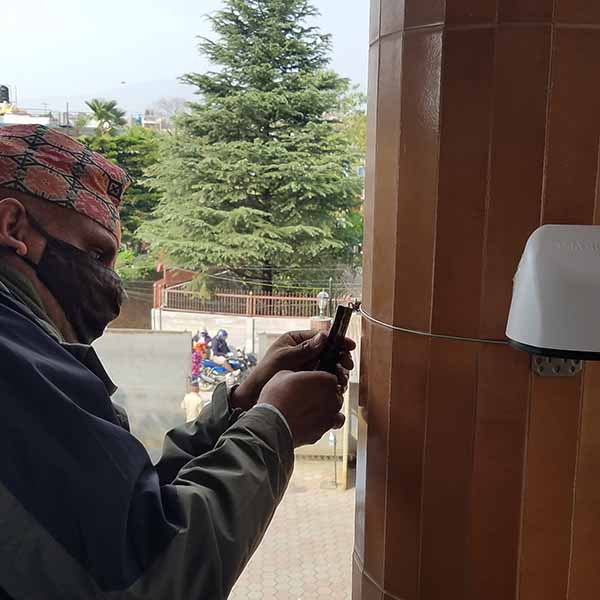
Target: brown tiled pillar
(476,479)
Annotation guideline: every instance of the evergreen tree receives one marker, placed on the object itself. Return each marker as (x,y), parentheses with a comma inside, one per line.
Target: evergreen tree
(135,151)
(259,173)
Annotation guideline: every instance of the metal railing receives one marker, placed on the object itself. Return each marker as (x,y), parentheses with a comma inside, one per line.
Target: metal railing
(265,304)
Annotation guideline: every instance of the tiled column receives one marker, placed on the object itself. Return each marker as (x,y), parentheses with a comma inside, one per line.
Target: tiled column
(476,480)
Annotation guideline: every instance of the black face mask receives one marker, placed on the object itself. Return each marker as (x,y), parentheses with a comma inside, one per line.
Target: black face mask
(89,293)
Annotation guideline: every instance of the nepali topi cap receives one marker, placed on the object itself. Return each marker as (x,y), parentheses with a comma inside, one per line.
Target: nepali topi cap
(53,166)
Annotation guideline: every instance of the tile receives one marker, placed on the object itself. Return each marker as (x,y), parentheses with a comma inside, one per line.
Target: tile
(406,454)
(374,19)
(370,179)
(392,16)
(585,575)
(361,484)
(495,503)
(418,176)
(370,591)
(419,13)
(525,10)
(578,12)
(464,153)
(295,559)
(448,466)
(361,451)
(464,12)
(357,578)
(548,496)
(574,128)
(385,200)
(377,454)
(519,129)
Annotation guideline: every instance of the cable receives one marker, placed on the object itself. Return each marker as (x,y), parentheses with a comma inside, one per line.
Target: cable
(274,285)
(438,336)
(292,268)
(312,283)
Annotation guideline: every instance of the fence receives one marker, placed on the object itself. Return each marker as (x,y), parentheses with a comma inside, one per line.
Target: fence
(265,304)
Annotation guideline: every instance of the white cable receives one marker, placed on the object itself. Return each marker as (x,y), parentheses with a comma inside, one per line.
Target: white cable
(429,335)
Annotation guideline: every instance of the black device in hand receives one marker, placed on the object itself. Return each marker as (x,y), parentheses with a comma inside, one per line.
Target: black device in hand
(330,357)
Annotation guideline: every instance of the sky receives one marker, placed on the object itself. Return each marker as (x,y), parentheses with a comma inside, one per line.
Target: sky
(134,50)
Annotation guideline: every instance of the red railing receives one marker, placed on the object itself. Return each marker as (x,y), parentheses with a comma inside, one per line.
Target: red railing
(264,304)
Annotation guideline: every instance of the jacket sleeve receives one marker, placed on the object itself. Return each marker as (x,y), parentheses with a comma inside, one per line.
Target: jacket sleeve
(84,513)
(223,503)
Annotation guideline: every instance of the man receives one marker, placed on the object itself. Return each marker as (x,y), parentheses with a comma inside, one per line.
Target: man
(220,347)
(83,512)
(221,350)
(192,403)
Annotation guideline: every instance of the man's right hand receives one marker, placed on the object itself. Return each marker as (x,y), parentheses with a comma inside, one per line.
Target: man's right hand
(310,401)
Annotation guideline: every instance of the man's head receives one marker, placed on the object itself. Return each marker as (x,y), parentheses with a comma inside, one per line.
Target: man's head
(195,387)
(59,224)
(19,212)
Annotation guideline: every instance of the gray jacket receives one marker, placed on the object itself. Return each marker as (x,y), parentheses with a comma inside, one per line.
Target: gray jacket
(85,514)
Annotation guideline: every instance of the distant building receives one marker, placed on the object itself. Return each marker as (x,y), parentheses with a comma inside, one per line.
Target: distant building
(23,119)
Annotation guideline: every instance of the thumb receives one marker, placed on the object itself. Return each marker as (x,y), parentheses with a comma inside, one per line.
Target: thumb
(312,348)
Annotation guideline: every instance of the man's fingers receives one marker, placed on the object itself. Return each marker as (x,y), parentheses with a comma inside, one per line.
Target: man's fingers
(298,337)
(346,361)
(338,421)
(348,345)
(343,377)
(310,349)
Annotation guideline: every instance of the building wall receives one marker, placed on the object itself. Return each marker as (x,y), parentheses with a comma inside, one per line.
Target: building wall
(476,479)
(136,312)
(242,330)
(152,371)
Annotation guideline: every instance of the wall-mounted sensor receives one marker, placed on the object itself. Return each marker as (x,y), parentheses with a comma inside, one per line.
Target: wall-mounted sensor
(555,310)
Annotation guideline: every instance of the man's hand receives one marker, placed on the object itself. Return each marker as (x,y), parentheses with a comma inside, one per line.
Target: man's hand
(310,401)
(295,351)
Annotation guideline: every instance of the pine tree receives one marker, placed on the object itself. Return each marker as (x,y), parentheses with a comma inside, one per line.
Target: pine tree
(259,173)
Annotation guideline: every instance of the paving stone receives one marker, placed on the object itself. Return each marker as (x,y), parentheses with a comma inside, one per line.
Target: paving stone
(307,551)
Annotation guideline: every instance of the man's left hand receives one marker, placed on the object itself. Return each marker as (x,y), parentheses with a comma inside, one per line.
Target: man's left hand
(293,351)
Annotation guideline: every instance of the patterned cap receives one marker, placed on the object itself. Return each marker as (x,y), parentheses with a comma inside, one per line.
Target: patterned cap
(48,164)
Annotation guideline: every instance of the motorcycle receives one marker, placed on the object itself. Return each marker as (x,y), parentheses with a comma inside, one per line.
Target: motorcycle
(212,373)
(242,362)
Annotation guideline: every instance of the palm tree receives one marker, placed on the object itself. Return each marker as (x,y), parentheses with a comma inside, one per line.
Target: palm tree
(108,115)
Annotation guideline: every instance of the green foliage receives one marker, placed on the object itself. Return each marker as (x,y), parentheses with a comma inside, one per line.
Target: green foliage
(108,114)
(260,172)
(135,151)
(353,121)
(135,267)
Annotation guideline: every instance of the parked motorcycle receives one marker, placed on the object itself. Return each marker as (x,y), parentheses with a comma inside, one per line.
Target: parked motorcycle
(242,361)
(212,373)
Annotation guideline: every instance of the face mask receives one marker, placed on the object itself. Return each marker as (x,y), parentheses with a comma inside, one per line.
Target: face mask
(89,293)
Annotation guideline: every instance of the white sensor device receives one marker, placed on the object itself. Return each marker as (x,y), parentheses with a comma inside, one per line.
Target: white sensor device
(555,310)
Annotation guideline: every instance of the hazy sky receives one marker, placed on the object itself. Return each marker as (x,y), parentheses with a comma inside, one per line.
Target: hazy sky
(72,50)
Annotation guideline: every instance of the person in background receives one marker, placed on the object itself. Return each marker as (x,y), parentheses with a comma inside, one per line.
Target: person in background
(197,358)
(221,350)
(192,403)
(84,511)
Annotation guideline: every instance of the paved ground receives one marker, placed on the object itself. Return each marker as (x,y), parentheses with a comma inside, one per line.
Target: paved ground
(306,554)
